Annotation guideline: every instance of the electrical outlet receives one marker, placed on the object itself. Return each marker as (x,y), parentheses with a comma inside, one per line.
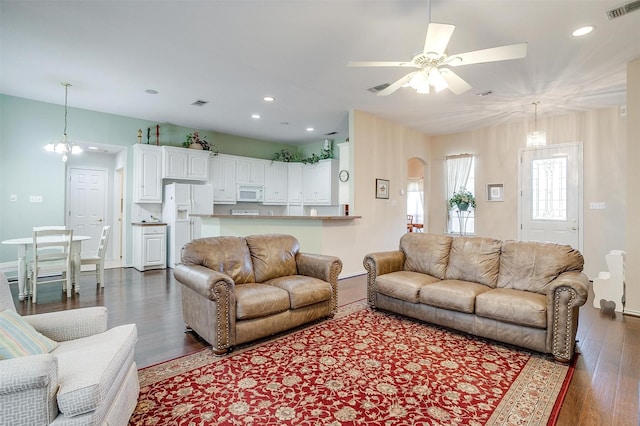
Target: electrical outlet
(14,197)
(35,198)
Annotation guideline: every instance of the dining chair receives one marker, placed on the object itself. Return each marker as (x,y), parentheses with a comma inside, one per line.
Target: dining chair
(409,223)
(98,258)
(51,259)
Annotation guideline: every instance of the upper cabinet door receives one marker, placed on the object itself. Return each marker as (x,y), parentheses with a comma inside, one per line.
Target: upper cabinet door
(185,164)
(147,183)
(250,172)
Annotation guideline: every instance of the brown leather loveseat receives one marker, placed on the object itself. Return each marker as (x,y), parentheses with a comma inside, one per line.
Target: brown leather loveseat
(522,293)
(238,289)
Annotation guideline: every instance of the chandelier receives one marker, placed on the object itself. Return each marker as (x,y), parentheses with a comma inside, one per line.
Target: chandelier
(537,138)
(65,146)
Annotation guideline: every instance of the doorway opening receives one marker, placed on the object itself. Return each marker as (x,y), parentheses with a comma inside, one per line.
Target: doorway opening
(416,209)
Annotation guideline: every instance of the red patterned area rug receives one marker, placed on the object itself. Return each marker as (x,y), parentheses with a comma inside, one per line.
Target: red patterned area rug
(361,368)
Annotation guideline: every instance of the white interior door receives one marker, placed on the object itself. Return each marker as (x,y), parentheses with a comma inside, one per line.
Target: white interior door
(551,194)
(86,204)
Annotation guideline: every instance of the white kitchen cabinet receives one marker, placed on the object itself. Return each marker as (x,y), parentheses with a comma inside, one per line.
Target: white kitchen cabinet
(149,246)
(147,174)
(223,179)
(250,171)
(320,183)
(184,163)
(294,177)
(275,183)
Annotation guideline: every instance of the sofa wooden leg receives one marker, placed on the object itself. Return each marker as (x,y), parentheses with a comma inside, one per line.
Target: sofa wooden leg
(221,352)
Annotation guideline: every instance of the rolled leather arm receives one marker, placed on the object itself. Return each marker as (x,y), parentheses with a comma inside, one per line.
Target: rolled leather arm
(203,280)
(323,267)
(70,325)
(28,387)
(565,295)
(379,264)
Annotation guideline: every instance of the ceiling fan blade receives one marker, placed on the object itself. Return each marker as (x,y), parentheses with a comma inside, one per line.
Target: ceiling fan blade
(456,84)
(438,36)
(396,85)
(502,53)
(380,64)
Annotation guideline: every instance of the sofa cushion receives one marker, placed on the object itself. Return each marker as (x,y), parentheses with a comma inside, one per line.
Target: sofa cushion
(514,306)
(474,259)
(259,300)
(273,255)
(303,290)
(426,253)
(403,285)
(454,295)
(18,338)
(229,255)
(531,266)
(88,368)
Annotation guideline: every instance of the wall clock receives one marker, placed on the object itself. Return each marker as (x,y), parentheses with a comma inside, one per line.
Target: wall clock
(344,175)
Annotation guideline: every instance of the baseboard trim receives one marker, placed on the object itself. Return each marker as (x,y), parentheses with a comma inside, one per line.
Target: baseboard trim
(632,313)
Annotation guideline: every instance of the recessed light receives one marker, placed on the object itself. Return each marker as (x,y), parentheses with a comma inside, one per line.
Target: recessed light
(582,31)
(151,91)
(93,148)
(256,116)
(269,99)
(310,129)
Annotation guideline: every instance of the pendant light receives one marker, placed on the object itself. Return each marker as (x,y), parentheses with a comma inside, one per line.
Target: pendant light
(65,146)
(537,138)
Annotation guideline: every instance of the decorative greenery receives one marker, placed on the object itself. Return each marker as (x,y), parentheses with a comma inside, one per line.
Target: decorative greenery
(463,196)
(195,138)
(287,157)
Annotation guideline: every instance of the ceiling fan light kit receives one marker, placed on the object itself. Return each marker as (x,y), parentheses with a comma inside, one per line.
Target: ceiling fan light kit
(433,63)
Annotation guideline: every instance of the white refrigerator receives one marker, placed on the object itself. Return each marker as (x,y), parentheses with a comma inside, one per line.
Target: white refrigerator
(180,202)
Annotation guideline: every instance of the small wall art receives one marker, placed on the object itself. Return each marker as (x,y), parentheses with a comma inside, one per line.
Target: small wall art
(495,192)
(382,188)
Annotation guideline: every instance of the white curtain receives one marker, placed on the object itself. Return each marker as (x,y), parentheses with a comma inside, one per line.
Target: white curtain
(458,168)
(415,199)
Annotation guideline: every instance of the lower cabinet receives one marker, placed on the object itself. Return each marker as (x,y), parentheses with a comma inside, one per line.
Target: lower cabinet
(149,246)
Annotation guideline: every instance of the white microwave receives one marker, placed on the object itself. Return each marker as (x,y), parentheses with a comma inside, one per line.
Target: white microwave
(250,193)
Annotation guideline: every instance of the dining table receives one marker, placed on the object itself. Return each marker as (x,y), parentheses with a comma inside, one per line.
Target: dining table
(24,243)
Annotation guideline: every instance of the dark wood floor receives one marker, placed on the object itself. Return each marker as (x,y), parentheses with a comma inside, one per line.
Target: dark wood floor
(604,389)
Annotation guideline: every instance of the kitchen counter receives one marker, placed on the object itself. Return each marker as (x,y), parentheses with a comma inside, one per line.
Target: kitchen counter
(233,216)
(148,224)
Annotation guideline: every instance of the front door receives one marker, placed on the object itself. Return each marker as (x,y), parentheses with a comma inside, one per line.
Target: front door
(551,194)
(86,204)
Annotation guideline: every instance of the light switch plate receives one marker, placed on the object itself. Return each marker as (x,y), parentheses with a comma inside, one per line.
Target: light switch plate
(35,198)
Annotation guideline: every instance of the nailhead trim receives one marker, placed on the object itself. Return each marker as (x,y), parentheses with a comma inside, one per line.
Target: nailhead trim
(223,332)
(372,289)
(566,354)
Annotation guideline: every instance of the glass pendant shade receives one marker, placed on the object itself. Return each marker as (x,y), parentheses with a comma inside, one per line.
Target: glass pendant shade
(537,138)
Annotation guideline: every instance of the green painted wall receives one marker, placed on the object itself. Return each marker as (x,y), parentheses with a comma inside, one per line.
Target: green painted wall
(27,169)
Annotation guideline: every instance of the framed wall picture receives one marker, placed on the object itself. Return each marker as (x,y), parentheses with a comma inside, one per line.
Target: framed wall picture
(495,192)
(382,188)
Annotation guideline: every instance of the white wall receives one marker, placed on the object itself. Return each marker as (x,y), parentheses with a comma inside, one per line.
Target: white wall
(602,133)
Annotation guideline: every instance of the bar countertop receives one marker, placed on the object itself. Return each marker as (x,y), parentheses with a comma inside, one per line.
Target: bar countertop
(262,216)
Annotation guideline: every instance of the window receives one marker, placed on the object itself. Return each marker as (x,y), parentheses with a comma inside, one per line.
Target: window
(460,174)
(415,199)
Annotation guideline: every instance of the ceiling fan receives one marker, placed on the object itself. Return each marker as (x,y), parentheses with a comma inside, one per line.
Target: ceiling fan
(433,63)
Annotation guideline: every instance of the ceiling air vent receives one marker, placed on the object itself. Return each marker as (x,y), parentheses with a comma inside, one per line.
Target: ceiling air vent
(623,10)
(200,103)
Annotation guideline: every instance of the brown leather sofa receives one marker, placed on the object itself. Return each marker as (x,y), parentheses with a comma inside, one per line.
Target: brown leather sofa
(522,293)
(235,289)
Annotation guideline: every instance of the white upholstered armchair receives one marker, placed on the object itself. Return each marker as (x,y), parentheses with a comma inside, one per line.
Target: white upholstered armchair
(88,378)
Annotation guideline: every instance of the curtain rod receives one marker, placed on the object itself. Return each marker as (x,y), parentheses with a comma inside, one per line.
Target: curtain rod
(449,157)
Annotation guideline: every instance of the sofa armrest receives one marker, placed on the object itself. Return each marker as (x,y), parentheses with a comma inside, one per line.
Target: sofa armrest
(70,325)
(379,264)
(323,267)
(28,387)
(203,280)
(565,295)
